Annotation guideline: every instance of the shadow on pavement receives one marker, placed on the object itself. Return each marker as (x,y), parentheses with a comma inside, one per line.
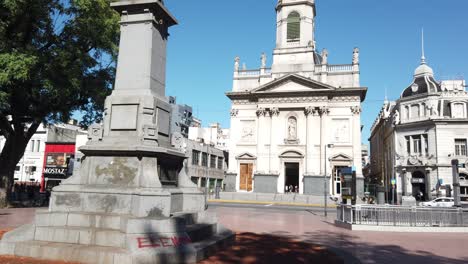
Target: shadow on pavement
(265,248)
(371,253)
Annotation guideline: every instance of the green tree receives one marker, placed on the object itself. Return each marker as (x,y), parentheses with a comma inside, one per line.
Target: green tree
(56,57)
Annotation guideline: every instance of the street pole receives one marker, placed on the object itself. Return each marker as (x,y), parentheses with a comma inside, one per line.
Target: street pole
(325,191)
(207,179)
(456,183)
(325,183)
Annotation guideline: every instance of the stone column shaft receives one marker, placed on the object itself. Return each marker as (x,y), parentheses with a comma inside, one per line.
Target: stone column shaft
(323,138)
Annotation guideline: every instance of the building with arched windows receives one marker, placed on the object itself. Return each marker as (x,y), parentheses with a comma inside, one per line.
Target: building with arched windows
(415,138)
(297,123)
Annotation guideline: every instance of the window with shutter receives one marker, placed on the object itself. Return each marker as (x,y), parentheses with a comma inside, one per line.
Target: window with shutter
(294,27)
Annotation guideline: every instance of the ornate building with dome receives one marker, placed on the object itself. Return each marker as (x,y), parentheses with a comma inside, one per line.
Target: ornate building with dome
(415,138)
(298,122)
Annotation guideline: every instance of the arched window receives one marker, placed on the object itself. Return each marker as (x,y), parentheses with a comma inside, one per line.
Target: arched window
(294,27)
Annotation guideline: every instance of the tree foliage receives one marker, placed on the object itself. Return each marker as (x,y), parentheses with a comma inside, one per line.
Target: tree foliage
(56,57)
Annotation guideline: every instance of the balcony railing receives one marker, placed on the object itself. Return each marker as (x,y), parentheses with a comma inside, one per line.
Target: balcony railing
(340,68)
(249,72)
(257,72)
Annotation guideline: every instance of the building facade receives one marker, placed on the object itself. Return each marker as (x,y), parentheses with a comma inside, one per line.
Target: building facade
(214,135)
(206,164)
(296,124)
(415,138)
(33,164)
(181,117)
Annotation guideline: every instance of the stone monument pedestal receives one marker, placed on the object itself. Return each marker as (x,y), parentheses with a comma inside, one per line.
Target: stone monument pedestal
(131,200)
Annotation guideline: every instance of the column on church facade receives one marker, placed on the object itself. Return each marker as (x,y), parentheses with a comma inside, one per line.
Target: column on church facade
(323,111)
(274,139)
(311,114)
(356,134)
(232,175)
(262,140)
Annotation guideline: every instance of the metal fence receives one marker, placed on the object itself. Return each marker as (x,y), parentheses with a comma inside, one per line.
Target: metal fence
(402,216)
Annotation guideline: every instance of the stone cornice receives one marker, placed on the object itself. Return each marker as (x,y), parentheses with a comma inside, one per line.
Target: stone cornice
(317,95)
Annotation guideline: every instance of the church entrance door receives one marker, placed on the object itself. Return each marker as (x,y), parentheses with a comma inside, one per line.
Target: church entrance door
(291,173)
(246,170)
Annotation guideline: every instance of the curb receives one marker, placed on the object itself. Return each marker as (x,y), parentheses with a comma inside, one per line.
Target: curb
(267,203)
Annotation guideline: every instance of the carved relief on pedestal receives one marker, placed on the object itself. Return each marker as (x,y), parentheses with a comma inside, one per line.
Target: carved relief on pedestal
(95,132)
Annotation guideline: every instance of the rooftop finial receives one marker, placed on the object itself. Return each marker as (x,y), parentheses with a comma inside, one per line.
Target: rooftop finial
(423,57)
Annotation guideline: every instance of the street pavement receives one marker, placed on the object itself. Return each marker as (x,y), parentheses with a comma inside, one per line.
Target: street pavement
(368,247)
(309,225)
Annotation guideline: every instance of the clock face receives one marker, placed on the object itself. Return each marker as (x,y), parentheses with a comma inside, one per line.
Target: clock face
(414,87)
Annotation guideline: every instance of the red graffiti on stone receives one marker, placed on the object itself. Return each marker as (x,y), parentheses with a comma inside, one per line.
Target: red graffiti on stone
(155,241)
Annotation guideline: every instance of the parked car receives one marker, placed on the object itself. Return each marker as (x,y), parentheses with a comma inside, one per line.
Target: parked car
(440,202)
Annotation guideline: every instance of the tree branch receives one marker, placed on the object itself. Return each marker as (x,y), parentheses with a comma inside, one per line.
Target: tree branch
(32,130)
(5,125)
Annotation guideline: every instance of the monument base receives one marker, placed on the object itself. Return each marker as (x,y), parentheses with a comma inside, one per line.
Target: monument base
(112,238)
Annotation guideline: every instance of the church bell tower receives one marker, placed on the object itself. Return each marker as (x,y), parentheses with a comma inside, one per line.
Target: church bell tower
(295,41)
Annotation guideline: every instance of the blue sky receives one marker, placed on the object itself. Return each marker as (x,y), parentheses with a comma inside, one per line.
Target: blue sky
(211,33)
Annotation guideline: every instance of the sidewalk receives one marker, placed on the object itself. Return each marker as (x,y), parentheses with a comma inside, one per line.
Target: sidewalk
(292,199)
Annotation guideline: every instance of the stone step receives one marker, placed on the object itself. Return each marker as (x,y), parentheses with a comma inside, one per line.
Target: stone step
(199,232)
(81,236)
(80,219)
(92,254)
(72,252)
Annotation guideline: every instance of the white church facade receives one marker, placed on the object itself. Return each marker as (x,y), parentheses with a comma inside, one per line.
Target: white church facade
(298,123)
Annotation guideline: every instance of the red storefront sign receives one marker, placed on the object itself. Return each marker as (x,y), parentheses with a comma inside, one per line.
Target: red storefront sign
(56,159)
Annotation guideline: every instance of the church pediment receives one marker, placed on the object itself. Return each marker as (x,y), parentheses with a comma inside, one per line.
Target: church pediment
(341,157)
(293,83)
(291,154)
(246,156)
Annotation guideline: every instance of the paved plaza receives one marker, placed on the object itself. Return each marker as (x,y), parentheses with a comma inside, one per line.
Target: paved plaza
(368,247)
(310,226)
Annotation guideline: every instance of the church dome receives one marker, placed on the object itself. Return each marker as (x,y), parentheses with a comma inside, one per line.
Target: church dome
(422,85)
(424,82)
(423,69)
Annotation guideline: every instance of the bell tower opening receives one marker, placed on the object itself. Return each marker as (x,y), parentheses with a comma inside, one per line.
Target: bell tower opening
(294,27)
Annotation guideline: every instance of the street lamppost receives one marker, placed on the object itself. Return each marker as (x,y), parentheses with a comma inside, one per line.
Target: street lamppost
(325,191)
(206,171)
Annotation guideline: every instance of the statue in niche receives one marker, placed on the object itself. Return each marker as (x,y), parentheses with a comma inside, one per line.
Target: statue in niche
(356,56)
(292,128)
(396,118)
(236,63)
(432,108)
(324,56)
(263,59)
